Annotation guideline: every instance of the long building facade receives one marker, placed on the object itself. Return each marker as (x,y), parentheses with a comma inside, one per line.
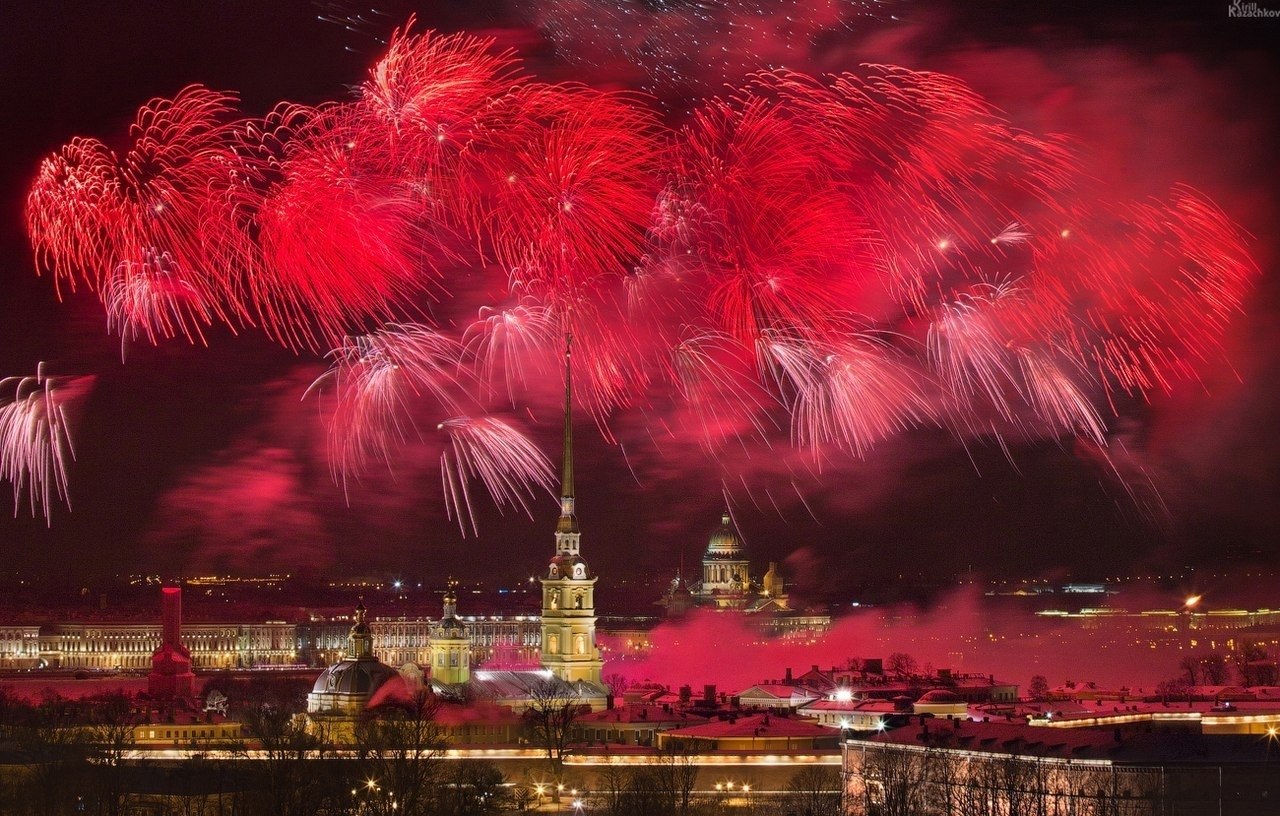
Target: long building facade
(106,645)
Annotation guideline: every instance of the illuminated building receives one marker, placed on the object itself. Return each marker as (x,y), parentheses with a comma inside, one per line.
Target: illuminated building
(760,732)
(19,646)
(343,690)
(569,649)
(635,724)
(449,657)
(726,580)
(726,585)
(775,696)
(171,677)
(958,766)
(494,639)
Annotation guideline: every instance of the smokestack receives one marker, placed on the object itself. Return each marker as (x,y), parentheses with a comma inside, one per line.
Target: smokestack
(171,676)
(788,679)
(171,615)
(709,693)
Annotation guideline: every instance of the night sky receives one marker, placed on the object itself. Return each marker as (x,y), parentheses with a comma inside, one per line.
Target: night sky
(192,458)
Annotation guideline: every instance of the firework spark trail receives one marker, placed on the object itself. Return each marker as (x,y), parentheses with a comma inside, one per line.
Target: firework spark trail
(849,396)
(573,182)
(103,220)
(815,253)
(715,377)
(427,98)
(511,345)
(501,457)
(375,377)
(770,239)
(35,437)
(149,299)
(1058,399)
(970,346)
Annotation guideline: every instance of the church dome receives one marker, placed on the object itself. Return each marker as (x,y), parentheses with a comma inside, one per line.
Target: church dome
(724,542)
(450,626)
(450,629)
(940,696)
(353,677)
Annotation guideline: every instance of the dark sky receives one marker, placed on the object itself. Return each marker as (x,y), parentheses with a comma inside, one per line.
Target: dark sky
(191,457)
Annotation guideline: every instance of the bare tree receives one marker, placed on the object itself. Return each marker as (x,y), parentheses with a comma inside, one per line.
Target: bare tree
(613,782)
(295,784)
(815,790)
(469,788)
(553,709)
(901,665)
(1038,688)
(1213,669)
(56,748)
(891,782)
(1253,665)
(111,735)
(1190,668)
(677,774)
(400,746)
(616,683)
(645,795)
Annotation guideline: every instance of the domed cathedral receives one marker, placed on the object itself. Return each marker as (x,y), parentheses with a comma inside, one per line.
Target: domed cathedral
(449,649)
(569,648)
(726,581)
(726,572)
(344,689)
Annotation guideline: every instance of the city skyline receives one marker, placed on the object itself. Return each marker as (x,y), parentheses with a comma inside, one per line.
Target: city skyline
(192,458)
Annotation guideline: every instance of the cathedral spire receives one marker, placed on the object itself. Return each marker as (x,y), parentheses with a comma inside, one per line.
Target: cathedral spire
(566,473)
(567,523)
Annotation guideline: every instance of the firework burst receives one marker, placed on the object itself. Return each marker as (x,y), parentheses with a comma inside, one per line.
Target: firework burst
(847,257)
(35,437)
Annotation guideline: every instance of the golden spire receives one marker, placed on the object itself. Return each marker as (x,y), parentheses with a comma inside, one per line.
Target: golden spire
(451,598)
(566,472)
(567,522)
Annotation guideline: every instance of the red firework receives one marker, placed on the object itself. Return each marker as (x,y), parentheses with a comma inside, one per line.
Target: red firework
(847,256)
(108,221)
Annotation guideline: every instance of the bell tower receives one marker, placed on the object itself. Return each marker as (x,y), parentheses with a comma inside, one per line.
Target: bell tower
(569,648)
(450,648)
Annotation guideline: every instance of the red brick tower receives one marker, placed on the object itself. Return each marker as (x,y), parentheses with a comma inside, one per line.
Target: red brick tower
(171,676)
